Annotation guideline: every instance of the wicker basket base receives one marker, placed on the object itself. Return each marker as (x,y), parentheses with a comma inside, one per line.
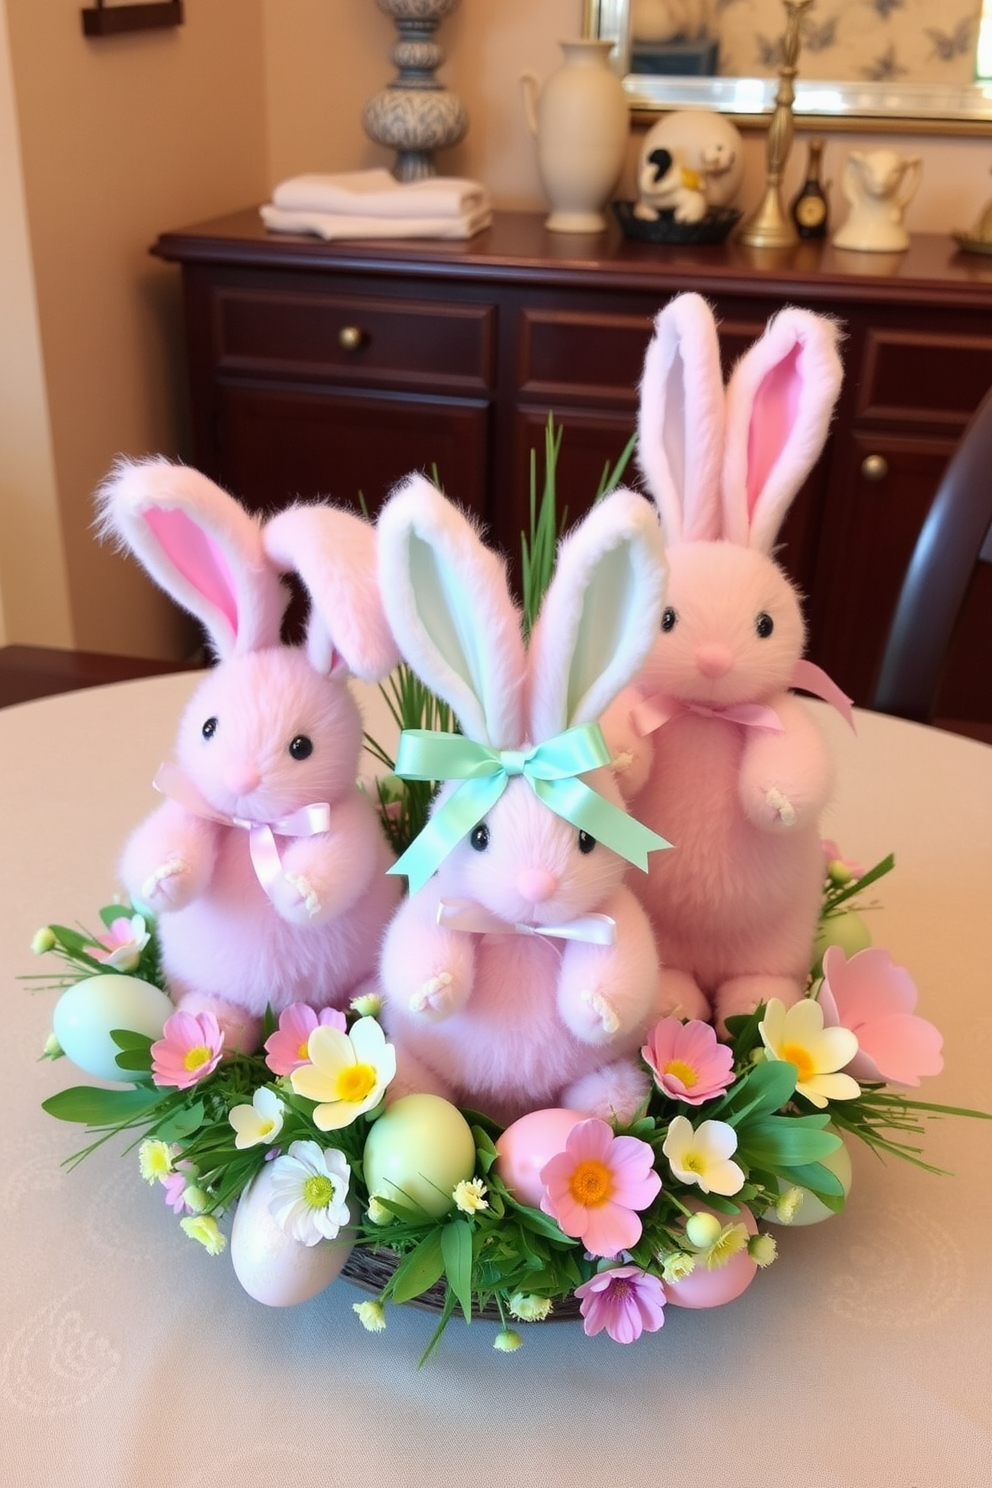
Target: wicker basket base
(370,1270)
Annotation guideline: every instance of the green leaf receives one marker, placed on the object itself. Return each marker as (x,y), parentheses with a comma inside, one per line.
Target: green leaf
(125,1039)
(765,1088)
(419,1270)
(818,1180)
(775,1142)
(181,1123)
(93,1107)
(456,1249)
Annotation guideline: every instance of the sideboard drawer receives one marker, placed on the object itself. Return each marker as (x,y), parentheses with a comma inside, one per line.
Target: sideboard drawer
(566,355)
(916,378)
(356,340)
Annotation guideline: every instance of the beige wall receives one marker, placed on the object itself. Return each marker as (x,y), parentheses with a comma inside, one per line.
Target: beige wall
(103,144)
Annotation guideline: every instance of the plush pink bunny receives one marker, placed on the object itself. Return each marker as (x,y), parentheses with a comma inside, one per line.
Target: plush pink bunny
(718,754)
(522,972)
(266,862)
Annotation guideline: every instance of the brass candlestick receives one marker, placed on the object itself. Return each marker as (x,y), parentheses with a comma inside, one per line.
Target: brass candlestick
(771,226)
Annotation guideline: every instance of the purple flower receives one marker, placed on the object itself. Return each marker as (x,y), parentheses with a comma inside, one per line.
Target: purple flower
(626,1301)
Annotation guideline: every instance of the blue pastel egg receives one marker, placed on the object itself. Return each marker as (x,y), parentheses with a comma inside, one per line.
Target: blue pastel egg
(87,1011)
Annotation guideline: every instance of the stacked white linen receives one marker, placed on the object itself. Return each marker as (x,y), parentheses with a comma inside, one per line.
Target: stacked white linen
(372,204)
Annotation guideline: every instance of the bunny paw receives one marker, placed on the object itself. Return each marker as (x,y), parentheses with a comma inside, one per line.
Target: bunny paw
(783,811)
(167,887)
(308,894)
(601,1010)
(433,998)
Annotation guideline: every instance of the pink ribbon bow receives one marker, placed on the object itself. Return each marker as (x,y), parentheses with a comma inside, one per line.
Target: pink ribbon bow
(659,709)
(466,914)
(306,822)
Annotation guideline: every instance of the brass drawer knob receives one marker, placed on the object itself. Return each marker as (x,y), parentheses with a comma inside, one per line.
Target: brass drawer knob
(350,338)
(874,467)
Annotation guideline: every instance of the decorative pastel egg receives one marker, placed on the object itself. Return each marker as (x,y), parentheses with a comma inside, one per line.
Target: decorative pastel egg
(417,1151)
(705,1288)
(87,1011)
(526,1146)
(270,1264)
(812,1210)
(845,929)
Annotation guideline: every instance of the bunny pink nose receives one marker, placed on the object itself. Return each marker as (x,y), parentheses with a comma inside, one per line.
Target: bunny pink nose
(714,660)
(243,778)
(536,884)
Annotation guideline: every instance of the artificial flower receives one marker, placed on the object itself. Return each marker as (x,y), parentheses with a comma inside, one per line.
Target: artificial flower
(52,1049)
(188,1051)
(687,1060)
(470,1195)
(377,1213)
(205,1229)
(286,1049)
(763,1249)
(868,994)
(507,1341)
(310,1192)
(367,1004)
(797,1036)
(676,1265)
(43,941)
(155,1160)
(840,870)
(596,1186)
(788,1204)
(371,1315)
(732,1239)
(122,944)
(175,1185)
(195,1199)
(626,1301)
(702,1229)
(703,1155)
(528,1308)
(259,1122)
(348,1072)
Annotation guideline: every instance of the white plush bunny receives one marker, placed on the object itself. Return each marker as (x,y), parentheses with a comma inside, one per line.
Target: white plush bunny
(266,863)
(718,754)
(522,972)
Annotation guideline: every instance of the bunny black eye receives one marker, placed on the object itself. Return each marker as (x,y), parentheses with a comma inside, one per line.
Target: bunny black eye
(764,625)
(668,619)
(301,748)
(480,837)
(586,843)
(209,728)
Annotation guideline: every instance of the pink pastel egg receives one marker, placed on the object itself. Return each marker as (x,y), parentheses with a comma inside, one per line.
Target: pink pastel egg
(713,1288)
(527,1145)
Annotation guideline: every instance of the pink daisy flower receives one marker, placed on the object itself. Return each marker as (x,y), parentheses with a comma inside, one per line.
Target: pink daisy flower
(286,1049)
(175,1185)
(594,1188)
(868,994)
(625,1301)
(188,1051)
(688,1061)
(122,943)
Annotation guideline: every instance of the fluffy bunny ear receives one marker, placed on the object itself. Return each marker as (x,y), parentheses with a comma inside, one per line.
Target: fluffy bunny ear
(448,603)
(334,553)
(780,399)
(681,420)
(200,546)
(600,616)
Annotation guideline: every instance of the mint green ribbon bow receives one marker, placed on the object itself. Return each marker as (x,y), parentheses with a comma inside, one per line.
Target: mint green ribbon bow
(550,770)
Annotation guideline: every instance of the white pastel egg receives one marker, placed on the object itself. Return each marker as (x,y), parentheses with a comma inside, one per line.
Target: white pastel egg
(87,1011)
(418,1150)
(270,1264)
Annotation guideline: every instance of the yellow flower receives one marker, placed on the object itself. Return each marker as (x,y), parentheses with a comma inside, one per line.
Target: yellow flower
(529,1309)
(347,1074)
(377,1212)
(733,1238)
(763,1249)
(787,1205)
(797,1036)
(677,1265)
(470,1195)
(43,940)
(507,1341)
(371,1315)
(367,1005)
(155,1161)
(204,1228)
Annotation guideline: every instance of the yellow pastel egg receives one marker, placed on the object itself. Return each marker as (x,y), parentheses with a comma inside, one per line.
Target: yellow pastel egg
(812,1210)
(270,1264)
(416,1152)
(87,1011)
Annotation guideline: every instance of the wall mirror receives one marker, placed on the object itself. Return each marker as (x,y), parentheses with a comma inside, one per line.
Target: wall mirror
(864,64)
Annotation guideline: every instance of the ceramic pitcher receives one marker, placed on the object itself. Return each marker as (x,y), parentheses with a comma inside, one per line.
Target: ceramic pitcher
(581,122)
(878,184)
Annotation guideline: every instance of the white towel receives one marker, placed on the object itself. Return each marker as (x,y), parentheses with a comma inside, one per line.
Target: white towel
(330,225)
(375,193)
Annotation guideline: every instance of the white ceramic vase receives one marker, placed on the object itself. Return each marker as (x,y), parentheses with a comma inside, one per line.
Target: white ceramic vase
(581,122)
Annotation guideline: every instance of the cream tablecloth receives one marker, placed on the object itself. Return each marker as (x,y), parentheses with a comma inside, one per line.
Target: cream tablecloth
(129,1358)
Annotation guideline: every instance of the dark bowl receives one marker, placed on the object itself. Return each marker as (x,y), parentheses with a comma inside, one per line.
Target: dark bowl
(715,227)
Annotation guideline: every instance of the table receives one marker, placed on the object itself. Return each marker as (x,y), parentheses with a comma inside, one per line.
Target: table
(128,1356)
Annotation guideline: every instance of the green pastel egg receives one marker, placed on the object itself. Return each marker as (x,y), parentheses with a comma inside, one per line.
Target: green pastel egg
(813,1210)
(417,1151)
(87,1011)
(846,929)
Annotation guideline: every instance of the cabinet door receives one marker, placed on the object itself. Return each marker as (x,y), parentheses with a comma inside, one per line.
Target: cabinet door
(279,443)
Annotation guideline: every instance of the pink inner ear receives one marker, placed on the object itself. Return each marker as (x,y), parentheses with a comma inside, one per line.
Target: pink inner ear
(197,557)
(772,420)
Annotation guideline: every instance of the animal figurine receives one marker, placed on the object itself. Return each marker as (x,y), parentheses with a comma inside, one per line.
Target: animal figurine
(266,864)
(878,186)
(665,184)
(522,973)
(712,747)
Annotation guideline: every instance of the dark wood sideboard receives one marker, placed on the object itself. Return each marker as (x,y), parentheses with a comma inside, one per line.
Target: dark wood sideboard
(334,369)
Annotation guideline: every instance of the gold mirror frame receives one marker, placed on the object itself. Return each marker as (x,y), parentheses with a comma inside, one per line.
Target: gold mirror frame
(892,108)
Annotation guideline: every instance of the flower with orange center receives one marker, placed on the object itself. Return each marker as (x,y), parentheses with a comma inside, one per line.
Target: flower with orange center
(688,1061)
(347,1074)
(595,1188)
(797,1036)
